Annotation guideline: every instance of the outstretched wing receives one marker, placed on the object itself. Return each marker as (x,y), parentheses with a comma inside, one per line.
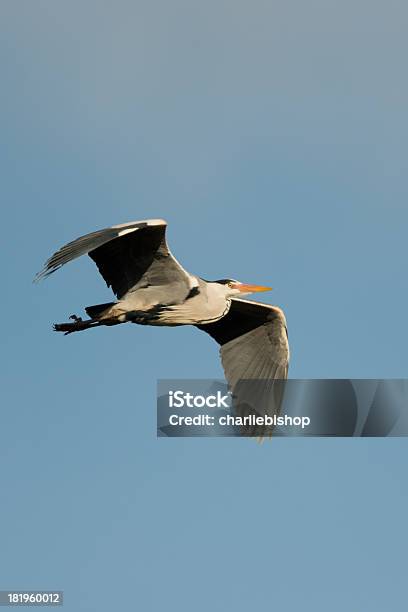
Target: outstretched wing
(255,357)
(127,256)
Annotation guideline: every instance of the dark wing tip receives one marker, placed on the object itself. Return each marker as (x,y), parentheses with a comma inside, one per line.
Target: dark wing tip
(44,273)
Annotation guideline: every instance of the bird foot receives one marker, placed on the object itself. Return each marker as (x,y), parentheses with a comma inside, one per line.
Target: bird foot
(77,325)
(75,318)
(67,328)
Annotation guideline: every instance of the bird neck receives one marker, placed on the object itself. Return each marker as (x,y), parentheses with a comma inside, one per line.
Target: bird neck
(215,303)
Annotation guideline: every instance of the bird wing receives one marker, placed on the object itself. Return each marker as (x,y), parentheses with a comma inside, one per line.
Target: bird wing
(255,357)
(125,255)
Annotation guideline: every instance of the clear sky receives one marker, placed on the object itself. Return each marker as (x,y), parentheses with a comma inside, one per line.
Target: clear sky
(273,138)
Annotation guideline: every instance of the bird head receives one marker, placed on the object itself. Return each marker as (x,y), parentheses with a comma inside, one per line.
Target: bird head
(234,288)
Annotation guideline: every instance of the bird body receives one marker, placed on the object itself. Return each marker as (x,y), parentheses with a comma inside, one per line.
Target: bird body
(152,288)
(152,305)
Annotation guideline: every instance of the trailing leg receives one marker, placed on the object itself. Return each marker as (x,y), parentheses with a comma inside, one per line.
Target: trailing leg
(79,325)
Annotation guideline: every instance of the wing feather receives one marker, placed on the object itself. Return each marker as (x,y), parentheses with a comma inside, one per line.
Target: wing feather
(127,256)
(255,357)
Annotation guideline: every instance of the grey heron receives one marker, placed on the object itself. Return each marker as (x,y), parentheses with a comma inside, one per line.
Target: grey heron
(152,288)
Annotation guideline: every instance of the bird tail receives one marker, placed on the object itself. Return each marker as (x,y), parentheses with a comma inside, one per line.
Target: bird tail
(98,309)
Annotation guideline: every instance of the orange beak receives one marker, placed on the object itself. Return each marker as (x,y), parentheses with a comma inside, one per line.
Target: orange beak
(244,288)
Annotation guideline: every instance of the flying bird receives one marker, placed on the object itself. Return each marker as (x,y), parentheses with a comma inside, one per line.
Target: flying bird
(152,288)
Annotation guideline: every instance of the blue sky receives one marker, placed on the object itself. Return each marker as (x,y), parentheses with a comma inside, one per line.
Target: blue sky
(273,138)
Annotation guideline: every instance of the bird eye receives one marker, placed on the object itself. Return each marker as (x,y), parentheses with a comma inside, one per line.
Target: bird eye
(230,284)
